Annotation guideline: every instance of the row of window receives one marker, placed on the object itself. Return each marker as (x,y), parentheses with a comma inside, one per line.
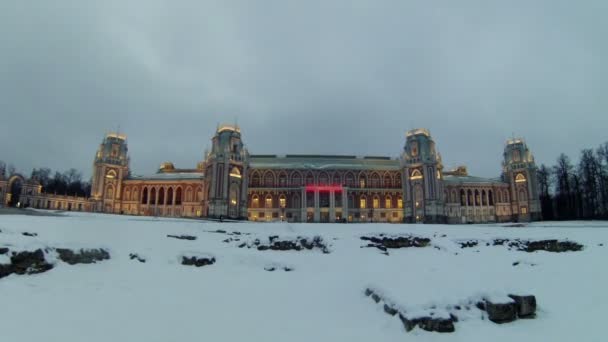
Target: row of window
(162,196)
(269,179)
(387,201)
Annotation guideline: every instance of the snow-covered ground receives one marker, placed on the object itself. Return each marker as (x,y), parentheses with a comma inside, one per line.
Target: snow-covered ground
(321,299)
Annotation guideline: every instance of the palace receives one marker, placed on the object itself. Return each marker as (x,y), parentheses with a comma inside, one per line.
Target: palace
(231,183)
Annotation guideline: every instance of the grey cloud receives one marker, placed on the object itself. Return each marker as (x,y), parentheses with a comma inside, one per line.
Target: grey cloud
(300,77)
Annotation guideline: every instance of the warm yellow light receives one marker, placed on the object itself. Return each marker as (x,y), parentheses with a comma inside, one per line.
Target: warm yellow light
(520,178)
(282,202)
(235,175)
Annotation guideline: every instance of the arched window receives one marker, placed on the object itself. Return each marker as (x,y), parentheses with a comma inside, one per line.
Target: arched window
(295,201)
(268,179)
(470,198)
(375,180)
(351,201)
(235,173)
(376,202)
(283,179)
(349,179)
(323,178)
(255,201)
(477,198)
(416,175)
(153,196)
(337,179)
(110,192)
(399,202)
(127,194)
(522,195)
(388,202)
(490,197)
(388,182)
(454,197)
(268,201)
(520,178)
(484,200)
(199,194)
(161,196)
(362,202)
(170,196)
(178,196)
(282,201)
(255,179)
(296,179)
(398,180)
(310,179)
(362,181)
(111,174)
(135,194)
(463,198)
(144,196)
(506,196)
(418,195)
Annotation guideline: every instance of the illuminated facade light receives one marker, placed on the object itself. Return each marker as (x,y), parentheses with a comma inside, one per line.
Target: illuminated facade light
(324,188)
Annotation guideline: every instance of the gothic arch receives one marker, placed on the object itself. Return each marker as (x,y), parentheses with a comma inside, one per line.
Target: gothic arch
(336,178)
(362,177)
(144,196)
(375,181)
(323,178)
(189,194)
(283,179)
(255,180)
(269,179)
(350,180)
(387,180)
(310,178)
(296,178)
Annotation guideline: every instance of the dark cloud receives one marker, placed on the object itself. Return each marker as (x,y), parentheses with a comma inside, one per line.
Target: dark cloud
(333,77)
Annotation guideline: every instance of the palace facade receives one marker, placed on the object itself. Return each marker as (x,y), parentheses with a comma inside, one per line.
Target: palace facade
(231,183)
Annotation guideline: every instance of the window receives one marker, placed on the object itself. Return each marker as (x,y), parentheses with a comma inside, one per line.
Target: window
(400,203)
(490,197)
(376,203)
(375,181)
(153,196)
(282,201)
(387,181)
(520,178)
(416,175)
(268,201)
(296,179)
(235,173)
(178,196)
(283,180)
(170,196)
(388,202)
(350,180)
(111,174)
(484,200)
(161,196)
(362,182)
(524,210)
(323,179)
(362,203)
(255,201)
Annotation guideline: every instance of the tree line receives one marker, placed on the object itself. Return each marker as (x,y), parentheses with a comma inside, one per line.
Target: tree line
(571,192)
(62,183)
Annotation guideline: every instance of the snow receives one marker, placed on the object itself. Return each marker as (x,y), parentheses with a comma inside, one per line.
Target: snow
(321,299)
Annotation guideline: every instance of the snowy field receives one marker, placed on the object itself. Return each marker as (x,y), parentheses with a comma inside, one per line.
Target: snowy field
(321,299)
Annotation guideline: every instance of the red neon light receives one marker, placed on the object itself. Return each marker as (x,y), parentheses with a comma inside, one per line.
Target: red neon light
(324,188)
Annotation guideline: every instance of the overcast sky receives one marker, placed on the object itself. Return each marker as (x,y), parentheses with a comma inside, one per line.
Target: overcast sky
(314,76)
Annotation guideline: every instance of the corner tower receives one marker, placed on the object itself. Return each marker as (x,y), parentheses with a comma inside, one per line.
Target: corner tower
(422,179)
(519,170)
(110,168)
(226,168)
